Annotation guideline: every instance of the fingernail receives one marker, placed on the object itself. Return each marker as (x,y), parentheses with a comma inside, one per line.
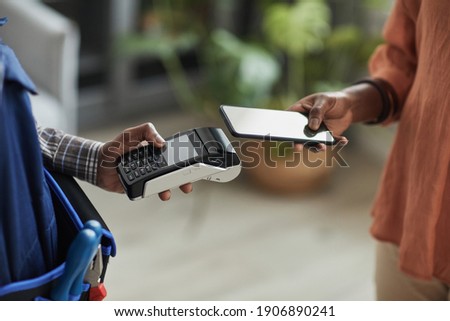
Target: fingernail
(159,139)
(298,147)
(296,105)
(314,123)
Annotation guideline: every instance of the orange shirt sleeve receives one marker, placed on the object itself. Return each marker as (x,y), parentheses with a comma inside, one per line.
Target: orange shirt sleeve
(395,61)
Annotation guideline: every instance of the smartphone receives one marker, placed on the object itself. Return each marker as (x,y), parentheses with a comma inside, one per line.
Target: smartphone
(270,124)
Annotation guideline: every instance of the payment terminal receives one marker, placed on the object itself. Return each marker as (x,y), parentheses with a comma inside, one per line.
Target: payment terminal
(200,153)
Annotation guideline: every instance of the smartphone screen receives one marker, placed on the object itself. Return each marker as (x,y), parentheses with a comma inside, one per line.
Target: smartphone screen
(281,125)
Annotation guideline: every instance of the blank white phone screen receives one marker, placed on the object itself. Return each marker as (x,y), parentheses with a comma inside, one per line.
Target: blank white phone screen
(274,123)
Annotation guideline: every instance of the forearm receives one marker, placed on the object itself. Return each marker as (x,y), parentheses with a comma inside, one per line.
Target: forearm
(69,154)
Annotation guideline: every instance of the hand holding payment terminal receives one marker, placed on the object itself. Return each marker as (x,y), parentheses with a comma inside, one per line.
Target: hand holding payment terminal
(200,153)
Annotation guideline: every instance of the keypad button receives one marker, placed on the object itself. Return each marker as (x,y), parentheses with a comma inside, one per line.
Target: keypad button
(142,170)
(133,166)
(136,173)
(130,177)
(148,168)
(127,170)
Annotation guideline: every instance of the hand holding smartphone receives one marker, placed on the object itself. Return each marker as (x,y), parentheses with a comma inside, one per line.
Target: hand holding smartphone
(278,125)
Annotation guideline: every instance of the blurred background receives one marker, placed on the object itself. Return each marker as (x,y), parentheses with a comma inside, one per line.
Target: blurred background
(283,233)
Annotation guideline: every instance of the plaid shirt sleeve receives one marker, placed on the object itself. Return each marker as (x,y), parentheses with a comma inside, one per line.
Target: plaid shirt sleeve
(70,154)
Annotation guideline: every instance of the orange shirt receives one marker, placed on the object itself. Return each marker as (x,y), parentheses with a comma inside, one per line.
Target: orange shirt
(412,207)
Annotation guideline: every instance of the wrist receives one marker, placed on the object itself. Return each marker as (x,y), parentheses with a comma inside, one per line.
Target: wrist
(365,103)
(377,109)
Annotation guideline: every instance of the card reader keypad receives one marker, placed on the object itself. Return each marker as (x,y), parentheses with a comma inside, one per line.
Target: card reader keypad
(142,162)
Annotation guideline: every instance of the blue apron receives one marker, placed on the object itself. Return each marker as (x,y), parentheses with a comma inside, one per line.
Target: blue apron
(28,234)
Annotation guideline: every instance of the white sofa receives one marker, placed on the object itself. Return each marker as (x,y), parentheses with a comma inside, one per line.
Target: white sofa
(47,45)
